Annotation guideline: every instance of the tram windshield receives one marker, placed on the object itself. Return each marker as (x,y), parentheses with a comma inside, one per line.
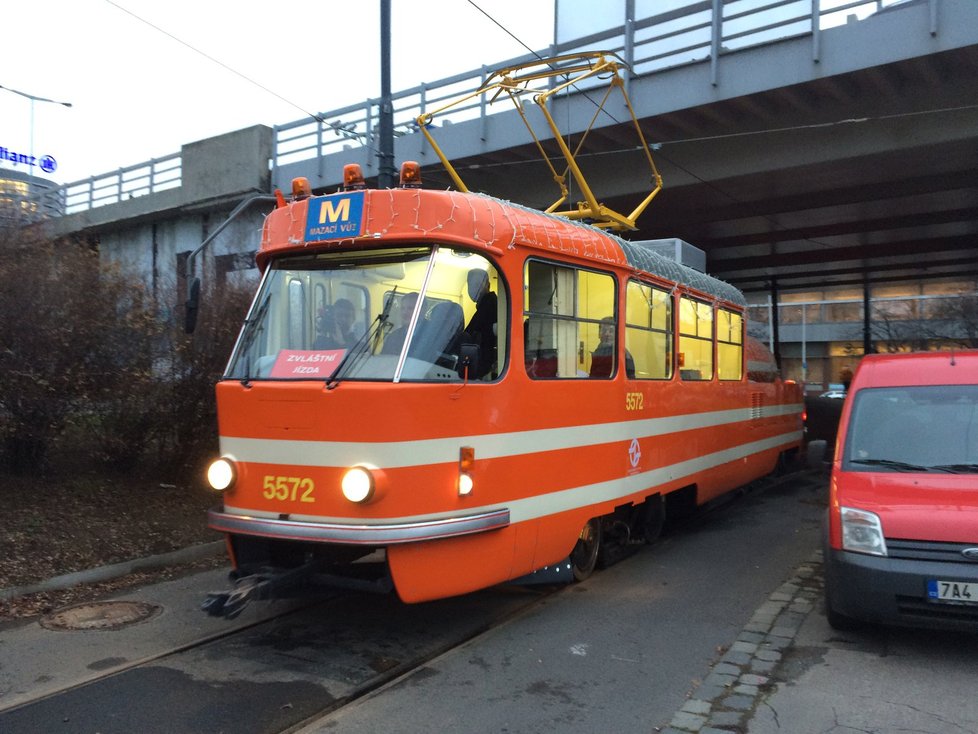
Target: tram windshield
(413,313)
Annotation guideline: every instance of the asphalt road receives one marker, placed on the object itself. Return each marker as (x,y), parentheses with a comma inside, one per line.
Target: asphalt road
(620,652)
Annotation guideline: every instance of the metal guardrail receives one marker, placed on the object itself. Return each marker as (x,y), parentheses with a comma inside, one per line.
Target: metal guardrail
(699,31)
(153,176)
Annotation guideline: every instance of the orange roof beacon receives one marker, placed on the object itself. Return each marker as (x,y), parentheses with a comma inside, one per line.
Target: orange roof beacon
(439,391)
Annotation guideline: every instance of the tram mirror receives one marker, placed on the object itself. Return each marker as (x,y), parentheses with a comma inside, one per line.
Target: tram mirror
(191,306)
(468,360)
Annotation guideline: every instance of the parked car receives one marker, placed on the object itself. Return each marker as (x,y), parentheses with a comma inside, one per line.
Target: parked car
(901,536)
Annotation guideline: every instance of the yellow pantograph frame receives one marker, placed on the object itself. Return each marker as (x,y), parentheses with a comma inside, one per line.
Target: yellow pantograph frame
(574,68)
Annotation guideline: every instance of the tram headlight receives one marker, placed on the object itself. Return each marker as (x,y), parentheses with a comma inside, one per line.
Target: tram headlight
(221,474)
(358,484)
(466,461)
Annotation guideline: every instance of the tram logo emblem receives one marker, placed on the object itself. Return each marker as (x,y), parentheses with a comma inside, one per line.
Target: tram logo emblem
(634,453)
(335,217)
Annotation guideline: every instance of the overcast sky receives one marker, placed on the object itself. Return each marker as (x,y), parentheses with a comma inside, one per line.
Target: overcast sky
(137,93)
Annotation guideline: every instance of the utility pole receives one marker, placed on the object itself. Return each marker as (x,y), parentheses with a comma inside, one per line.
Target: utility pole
(385,156)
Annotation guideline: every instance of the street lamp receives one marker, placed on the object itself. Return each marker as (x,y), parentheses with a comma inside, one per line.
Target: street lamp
(34,99)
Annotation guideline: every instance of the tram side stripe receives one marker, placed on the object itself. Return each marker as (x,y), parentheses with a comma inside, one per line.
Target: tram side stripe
(400,454)
(531,508)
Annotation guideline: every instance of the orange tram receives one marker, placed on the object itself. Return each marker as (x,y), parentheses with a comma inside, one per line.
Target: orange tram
(438,391)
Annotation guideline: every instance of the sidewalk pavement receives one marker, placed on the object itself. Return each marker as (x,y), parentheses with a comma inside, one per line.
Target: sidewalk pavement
(788,672)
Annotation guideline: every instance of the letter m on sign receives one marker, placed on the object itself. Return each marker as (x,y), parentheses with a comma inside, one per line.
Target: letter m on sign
(337,216)
(333,211)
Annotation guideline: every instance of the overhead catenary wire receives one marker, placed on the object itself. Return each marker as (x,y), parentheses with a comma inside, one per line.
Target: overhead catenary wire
(217,61)
(363,139)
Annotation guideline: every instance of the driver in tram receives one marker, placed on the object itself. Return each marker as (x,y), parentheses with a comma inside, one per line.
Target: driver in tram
(481,329)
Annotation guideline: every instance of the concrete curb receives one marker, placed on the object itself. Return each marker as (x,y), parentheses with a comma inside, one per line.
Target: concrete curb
(726,698)
(115,570)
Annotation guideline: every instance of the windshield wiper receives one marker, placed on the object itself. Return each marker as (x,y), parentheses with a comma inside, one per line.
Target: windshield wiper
(378,324)
(891,464)
(957,468)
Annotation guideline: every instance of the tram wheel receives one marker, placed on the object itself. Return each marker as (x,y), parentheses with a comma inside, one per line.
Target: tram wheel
(584,557)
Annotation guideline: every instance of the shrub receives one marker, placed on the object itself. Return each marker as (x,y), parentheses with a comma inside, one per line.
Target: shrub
(93,377)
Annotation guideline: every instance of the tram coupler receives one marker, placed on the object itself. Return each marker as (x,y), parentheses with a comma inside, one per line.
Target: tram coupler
(256,586)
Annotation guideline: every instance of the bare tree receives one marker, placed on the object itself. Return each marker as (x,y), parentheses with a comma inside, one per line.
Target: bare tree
(76,333)
(950,321)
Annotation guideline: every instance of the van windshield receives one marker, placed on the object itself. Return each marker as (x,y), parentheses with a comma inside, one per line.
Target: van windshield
(411,313)
(919,428)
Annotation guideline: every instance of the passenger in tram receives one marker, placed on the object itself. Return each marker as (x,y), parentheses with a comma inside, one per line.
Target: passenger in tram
(326,330)
(603,358)
(481,329)
(395,340)
(344,316)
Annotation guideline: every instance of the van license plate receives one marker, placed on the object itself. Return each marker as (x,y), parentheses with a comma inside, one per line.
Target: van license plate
(954,591)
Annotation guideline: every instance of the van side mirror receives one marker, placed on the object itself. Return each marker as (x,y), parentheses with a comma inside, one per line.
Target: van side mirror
(191,306)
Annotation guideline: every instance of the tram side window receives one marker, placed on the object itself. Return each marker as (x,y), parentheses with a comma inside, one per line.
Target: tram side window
(563,310)
(695,339)
(730,345)
(648,330)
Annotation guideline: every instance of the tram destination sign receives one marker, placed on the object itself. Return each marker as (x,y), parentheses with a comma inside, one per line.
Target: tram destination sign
(333,217)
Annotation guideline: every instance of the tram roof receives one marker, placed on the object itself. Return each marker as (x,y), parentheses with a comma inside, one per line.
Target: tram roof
(642,258)
(485,220)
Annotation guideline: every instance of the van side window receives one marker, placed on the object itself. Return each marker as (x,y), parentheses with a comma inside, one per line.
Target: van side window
(563,310)
(695,339)
(649,330)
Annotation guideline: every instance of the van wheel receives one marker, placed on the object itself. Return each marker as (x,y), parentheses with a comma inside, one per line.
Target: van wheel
(584,557)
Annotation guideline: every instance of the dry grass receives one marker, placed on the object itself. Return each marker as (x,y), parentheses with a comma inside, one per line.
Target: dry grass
(57,526)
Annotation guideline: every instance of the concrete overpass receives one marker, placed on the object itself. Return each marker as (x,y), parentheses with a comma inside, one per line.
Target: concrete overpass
(804,143)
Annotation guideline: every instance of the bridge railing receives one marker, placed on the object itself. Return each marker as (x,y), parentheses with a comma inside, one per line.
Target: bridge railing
(153,176)
(697,31)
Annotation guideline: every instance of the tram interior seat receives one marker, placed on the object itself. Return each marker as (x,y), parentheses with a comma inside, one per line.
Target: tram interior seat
(440,334)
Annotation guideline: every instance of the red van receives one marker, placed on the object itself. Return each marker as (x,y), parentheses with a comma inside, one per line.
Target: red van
(901,540)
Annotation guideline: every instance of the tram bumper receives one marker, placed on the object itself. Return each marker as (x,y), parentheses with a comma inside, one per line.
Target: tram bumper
(369,534)
(423,558)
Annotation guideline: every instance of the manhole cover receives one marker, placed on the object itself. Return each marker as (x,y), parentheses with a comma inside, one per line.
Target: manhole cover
(100,615)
